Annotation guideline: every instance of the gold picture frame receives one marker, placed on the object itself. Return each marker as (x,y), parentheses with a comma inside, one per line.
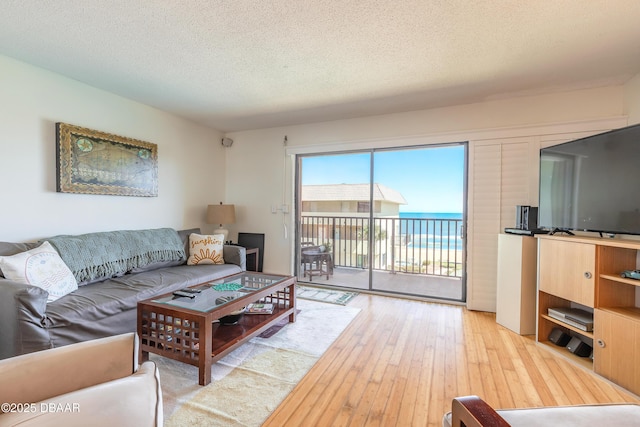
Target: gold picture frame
(94,162)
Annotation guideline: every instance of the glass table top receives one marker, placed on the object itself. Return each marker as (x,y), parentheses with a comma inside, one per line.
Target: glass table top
(215,293)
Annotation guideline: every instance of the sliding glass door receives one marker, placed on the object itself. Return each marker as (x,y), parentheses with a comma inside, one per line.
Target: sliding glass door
(333,210)
(384,220)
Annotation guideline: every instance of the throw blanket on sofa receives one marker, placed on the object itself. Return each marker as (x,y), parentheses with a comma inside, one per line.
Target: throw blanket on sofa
(108,254)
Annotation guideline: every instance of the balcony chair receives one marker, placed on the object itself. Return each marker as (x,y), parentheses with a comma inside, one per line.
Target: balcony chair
(471,411)
(93,383)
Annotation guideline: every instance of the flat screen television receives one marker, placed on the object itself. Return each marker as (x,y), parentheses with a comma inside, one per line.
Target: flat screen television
(592,184)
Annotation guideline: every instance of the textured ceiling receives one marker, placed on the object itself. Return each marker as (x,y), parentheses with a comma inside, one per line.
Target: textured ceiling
(241,64)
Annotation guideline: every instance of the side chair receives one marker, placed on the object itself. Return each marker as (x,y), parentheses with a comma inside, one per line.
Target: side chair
(96,383)
(472,411)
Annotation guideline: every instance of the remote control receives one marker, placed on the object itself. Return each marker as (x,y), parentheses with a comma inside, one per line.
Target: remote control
(191,291)
(184,294)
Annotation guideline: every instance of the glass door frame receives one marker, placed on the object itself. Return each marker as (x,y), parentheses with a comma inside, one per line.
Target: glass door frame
(370,238)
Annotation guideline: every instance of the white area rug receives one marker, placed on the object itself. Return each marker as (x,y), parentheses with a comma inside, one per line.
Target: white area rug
(248,384)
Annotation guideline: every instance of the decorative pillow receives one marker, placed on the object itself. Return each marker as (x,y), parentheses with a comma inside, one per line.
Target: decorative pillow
(41,267)
(204,249)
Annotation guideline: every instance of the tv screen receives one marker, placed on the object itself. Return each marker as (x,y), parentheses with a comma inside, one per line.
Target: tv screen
(592,184)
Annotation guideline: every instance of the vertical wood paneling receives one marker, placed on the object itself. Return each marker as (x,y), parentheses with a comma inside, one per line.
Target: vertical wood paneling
(503,173)
(515,178)
(501,179)
(485,176)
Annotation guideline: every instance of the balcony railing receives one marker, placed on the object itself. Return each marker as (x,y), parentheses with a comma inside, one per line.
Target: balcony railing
(428,246)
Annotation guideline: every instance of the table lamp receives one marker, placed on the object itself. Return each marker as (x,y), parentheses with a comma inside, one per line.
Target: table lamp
(221,214)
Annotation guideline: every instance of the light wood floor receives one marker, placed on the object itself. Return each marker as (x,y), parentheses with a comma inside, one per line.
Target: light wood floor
(400,362)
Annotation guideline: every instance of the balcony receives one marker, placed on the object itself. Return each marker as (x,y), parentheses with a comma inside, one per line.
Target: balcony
(416,256)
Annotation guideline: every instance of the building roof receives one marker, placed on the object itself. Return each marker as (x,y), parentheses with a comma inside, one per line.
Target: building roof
(351,192)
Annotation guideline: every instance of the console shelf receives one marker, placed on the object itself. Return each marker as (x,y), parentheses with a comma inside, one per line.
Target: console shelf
(584,272)
(565,325)
(632,282)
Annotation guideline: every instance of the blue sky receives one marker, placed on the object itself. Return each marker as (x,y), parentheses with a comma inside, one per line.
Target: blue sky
(430,179)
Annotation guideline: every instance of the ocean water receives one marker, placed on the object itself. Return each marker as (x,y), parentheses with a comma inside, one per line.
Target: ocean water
(436,230)
(437,215)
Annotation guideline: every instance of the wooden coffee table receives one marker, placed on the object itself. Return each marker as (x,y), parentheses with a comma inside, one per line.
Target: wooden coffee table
(186,329)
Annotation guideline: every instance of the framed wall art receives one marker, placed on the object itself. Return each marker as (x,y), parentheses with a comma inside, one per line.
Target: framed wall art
(94,162)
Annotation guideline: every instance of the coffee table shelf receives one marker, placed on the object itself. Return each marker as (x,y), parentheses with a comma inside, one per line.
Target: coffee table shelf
(194,336)
(249,326)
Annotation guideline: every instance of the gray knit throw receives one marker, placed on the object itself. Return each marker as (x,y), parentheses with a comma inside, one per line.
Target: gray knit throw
(113,253)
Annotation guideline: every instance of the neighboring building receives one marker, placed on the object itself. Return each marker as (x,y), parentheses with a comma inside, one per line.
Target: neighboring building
(337,215)
(351,200)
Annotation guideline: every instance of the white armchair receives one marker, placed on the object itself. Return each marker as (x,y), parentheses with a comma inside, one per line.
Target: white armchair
(93,383)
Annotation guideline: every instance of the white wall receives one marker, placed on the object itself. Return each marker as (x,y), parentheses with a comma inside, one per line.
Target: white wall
(257,178)
(195,170)
(191,165)
(632,99)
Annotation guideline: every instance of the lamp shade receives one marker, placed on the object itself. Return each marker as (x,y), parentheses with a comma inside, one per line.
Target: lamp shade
(221,214)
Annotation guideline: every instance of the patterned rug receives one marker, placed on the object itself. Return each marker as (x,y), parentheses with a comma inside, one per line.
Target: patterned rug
(324,295)
(249,383)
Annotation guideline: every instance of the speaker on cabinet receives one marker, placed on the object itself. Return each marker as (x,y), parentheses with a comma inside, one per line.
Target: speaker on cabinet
(559,337)
(526,217)
(579,347)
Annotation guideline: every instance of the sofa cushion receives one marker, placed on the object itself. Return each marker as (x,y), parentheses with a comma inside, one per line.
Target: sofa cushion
(10,248)
(235,255)
(206,249)
(184,237)
(97,301)
(41,267)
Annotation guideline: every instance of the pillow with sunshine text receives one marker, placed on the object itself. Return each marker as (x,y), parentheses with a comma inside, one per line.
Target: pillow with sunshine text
(205,249)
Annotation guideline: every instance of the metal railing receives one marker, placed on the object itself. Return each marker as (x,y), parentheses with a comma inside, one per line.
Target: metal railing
(431,246)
